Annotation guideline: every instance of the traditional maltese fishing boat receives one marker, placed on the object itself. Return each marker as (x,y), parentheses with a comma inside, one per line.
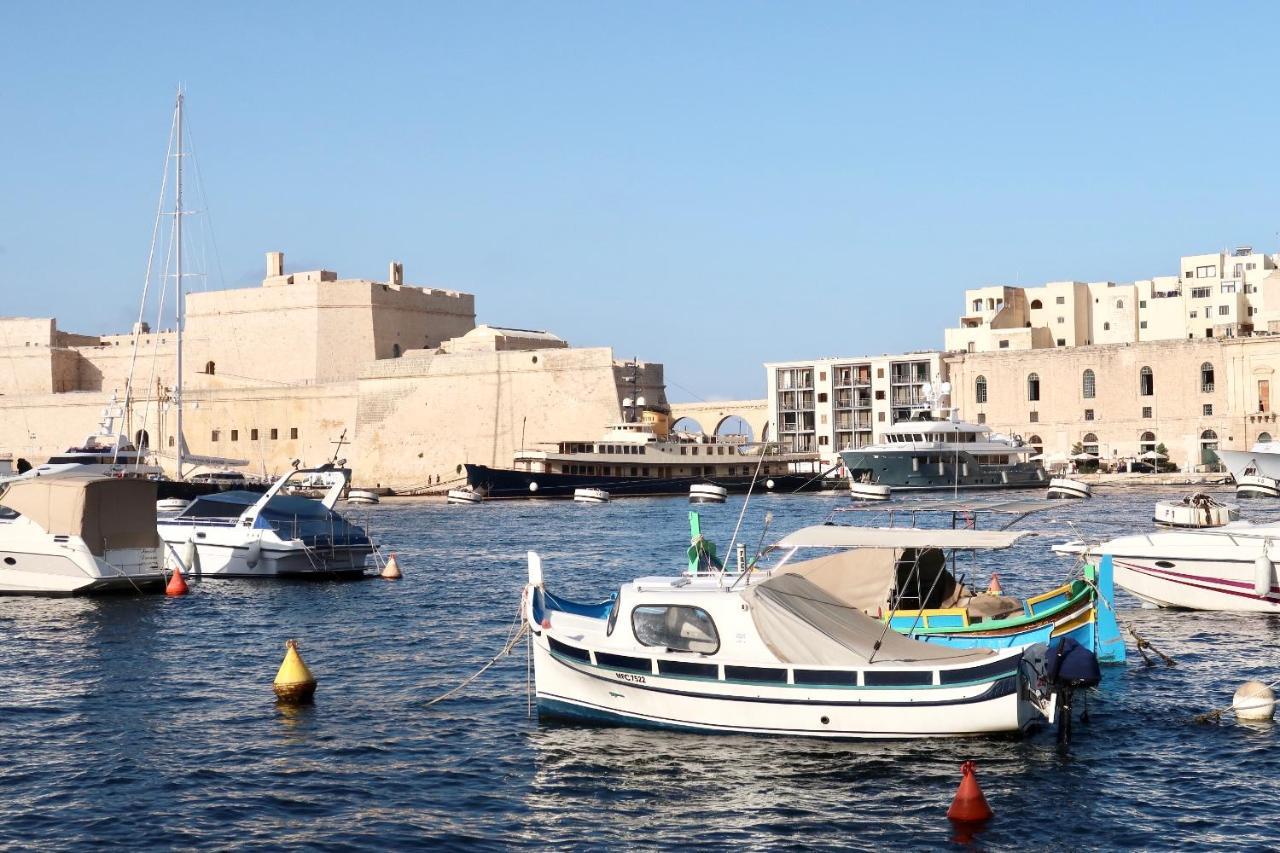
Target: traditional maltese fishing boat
(935,596)
(773,652)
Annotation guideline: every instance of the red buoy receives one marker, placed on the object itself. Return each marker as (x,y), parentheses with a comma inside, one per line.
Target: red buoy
(969,806)
(993,588)
(177,584)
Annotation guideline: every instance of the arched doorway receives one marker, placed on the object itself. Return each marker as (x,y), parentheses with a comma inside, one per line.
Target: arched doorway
(142,440)
(1208,447)
(210,368)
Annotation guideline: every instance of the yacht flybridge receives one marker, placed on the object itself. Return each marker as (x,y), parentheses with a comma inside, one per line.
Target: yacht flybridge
(945,453)
(632,459)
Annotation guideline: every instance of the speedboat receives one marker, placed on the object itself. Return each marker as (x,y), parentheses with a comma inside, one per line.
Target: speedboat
(79,534)
(770,652)
(1232,567)
(242,534)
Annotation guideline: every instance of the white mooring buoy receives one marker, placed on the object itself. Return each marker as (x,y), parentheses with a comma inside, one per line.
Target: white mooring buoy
(1254,701)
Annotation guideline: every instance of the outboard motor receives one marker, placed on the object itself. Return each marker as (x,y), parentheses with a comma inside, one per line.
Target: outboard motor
(1068,666)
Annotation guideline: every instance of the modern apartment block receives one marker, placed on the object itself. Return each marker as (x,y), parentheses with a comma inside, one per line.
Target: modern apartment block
(829,404)
(1224,294)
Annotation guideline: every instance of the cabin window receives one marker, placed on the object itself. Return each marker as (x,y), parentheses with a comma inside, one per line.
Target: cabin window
(684,451)
(676,628)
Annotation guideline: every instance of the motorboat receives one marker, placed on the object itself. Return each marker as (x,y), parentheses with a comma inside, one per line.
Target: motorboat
(1218,568)
(707,493)
(362,496)
(864,491)
(243,534)
(1198,510)
(770,652)
(591,496)
(79,534)
(1263,459)
(1257,486)
(172,506)
(464,496)
(1064,487)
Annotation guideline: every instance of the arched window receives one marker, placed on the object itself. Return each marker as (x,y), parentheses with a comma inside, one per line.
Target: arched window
(1035,304)
(1206,378)
(1089,386)
(1033,387)
(209,367)
(1106,327)
(1264,436)
(1208,444)
(1146,382)
(1089,444)
(1147,442)
(141,440)
(1208,435)
(1119,303)
(980,389)
(1035,442)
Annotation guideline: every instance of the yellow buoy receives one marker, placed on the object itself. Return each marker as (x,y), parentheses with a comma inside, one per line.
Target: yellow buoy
(294,683)
(391,571)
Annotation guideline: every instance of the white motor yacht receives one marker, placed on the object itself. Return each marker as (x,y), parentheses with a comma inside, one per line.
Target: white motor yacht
(237,534)
(77,534)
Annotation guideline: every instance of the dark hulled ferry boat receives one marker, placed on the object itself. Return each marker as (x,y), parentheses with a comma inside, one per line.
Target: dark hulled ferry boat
(633,459)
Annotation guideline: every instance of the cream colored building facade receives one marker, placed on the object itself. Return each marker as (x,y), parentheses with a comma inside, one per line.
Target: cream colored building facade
(280,372)
(1217,295)
(831,404)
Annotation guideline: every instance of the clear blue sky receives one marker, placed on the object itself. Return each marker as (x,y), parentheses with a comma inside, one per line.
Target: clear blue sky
(709,185)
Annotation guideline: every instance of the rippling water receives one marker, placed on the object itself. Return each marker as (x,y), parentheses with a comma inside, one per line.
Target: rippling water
(150,722)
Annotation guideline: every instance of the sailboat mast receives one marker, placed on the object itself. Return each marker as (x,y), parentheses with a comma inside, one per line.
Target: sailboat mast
(177,256)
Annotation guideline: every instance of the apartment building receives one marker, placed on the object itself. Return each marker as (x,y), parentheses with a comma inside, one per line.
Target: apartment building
(830,404)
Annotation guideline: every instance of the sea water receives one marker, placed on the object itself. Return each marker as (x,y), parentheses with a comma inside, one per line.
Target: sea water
(149,722)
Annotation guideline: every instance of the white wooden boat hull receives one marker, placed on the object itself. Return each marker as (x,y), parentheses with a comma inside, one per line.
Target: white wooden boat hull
(579,690)
(591,496)
(869,492)
(1060,487)
(1181,515)
(463,496)
(362,496)
(1252,486)
(702,493)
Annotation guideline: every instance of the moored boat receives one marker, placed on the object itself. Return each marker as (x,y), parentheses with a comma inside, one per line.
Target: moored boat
(463,496)
(243,534)
(362,496)
(591,496)
(707,493)
(1063,487)
(79,534)
(765,653)
(1257,486)
(861,491)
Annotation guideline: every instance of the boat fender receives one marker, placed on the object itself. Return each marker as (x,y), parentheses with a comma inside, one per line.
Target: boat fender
(189,556)
(255,553)
(1263,571)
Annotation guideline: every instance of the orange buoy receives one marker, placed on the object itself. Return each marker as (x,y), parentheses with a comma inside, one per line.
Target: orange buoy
(969,806)
(391,571)
(177,583)
(993,588)
(294,682)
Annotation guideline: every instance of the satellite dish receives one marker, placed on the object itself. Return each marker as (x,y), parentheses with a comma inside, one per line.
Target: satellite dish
(639,401)
(626,402)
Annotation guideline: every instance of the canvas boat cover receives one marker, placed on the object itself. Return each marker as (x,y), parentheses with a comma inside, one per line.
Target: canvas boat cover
(803,624)
(863,577)
(107,512)
(834,536)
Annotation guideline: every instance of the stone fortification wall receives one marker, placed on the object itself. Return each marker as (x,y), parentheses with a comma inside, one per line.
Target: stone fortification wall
(421,416)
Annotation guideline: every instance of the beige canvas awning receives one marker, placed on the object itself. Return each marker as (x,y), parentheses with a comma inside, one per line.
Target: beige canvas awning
(106,512)
(831,536)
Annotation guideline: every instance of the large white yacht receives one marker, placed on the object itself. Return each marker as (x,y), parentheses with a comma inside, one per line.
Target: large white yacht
(77,534)
(1261,460)
(927,452)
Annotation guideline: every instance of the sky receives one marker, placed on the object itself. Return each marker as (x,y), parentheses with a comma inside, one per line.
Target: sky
(710,185)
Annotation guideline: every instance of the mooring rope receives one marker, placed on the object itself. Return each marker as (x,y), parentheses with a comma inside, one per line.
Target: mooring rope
(513,639)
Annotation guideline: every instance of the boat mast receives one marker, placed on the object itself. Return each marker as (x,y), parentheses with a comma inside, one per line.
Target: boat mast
(177,255)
